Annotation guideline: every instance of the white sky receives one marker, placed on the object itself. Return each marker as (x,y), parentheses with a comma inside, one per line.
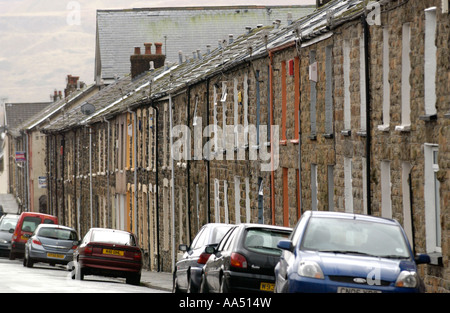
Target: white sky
(39,47)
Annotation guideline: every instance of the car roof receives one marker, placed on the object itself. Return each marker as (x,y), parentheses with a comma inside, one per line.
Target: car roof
(38,214)
(110,229)
(254,225)
(346,215)
(55,226)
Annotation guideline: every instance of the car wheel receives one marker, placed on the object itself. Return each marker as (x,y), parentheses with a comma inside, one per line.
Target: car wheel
(175,288)
(191,288)
(134,279)
(27,261)
(223,285)
(203,284)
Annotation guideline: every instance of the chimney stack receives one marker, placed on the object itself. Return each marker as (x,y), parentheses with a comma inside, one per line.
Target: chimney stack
(140,63)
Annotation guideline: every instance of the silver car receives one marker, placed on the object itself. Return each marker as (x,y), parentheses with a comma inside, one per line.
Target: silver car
(53,244)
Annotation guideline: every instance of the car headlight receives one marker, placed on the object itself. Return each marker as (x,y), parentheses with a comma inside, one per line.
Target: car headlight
(407,279)
(310,269)
(3,241)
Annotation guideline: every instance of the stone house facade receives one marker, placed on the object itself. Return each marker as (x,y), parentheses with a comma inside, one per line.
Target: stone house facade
(361,110)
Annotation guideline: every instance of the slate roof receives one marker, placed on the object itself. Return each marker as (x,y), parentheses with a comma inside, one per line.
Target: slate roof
(186,29)
(18,113)
(125,93)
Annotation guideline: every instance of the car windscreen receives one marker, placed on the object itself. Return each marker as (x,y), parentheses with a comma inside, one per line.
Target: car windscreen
(111,236)
(30,223)
(352,236)
(218,234)
(8,223)
(56,233)
(264,240)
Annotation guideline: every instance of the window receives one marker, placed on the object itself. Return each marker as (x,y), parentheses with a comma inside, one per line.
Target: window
(296,100)
(216,201)
(314,187)
(237,199)
(432,199)
(328,92)
(406,86)
(347,104)
(330,187)
(225,201)
(362,84)
(283,103)
(313,93)
(348,188)
(386,203)
(247,199)
(406,192)
(258,106)
(386,84)
(285,197)
(430,62)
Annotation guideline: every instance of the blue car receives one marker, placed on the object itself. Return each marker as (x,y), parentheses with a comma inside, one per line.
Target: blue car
(331,252)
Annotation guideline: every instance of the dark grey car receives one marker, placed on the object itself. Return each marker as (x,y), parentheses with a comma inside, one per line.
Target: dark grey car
(188,273)
(53,244)
(7,225)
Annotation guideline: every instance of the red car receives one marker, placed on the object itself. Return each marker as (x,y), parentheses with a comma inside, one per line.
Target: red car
(108,252)
(27,223)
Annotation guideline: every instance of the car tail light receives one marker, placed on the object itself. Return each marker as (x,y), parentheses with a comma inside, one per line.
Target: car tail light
(238,260)
(88,250)
(37,242)
(203,258)
(137,256)
(74,247)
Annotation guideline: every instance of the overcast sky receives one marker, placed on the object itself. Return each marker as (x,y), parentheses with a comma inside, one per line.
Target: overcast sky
(42,41)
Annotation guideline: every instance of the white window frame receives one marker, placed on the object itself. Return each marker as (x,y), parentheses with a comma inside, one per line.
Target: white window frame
(432,199)
(406,85)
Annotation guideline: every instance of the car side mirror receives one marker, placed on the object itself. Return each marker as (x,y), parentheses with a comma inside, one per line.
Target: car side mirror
(27,235)
(422,259)
(285,245)
(183,247)
(210,249)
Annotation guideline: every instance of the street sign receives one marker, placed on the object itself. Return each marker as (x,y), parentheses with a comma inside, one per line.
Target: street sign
(20,156)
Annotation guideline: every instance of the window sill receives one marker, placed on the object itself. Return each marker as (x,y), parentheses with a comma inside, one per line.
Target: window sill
(362,133)
(383,128)
(294,141)
(328,136)
(312,137)
(283,142)
(435,258)
(403,128)
(428,117)
(346,132)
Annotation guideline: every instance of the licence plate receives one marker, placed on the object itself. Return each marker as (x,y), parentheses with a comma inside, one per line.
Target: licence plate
(113,252)
(55,256)
(267,287)
(356,290)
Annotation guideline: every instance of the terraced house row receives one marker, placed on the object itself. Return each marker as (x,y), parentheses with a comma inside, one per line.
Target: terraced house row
(346,109)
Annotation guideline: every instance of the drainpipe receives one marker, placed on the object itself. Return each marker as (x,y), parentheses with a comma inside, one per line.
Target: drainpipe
(108,183)
(368,128)
(156,124)
(27,173)
(135,171)
(173,181)
(188,170)
(272,173)
(208,166)
(90,174)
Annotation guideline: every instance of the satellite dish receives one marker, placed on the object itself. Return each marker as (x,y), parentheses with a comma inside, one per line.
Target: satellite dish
(87,108)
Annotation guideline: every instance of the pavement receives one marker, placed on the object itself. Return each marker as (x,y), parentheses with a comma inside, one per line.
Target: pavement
(157,280)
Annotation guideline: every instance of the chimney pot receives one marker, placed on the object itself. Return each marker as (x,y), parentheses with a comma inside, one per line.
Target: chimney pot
(148,48)
(137,50)
(158,46)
